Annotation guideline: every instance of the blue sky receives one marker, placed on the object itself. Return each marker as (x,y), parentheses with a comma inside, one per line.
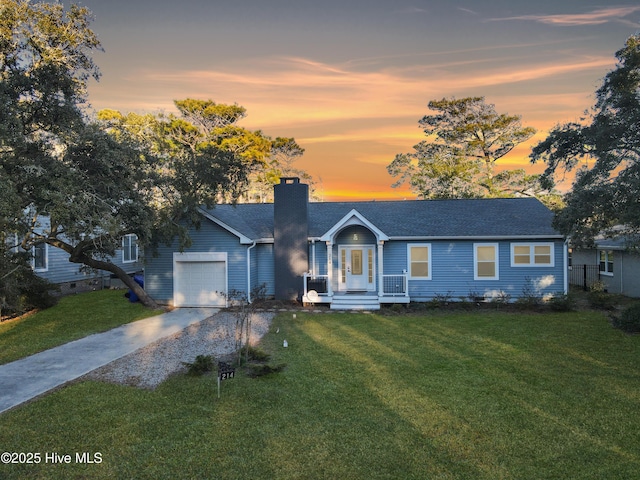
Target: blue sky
(350,79)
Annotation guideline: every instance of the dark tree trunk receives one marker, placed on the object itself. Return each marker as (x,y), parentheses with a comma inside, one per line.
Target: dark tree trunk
(76,255)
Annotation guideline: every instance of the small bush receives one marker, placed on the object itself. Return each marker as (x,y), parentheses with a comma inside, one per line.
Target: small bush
(257,355)
(37,294)
(501,298)
(599,298)
(21,289)
(629,319)
(562,303)
(530,297)
(475,297)
(201,365)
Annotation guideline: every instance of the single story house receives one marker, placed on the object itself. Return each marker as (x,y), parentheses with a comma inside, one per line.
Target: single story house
(358,255)
(617,265)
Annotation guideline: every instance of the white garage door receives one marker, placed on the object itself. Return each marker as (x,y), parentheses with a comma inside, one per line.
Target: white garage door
(199,279)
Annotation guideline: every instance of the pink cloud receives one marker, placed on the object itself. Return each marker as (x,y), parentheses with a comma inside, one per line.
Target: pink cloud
(595,17)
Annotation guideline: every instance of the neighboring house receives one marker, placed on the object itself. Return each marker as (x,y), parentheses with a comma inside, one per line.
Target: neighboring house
(357,255)
(612,262)
(53,264)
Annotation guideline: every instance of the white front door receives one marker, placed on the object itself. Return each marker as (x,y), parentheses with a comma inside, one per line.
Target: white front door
(356,267)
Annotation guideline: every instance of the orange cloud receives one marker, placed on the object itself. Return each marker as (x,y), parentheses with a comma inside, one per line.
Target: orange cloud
(353,120)
(289,90)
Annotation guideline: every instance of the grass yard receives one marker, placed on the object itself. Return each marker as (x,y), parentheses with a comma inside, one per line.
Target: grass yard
(450,395)
(73,317)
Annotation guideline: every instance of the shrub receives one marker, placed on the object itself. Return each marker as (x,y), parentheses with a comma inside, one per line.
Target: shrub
(475,297)
(562,303)
(501,298)
(21,289)
(201,365)
(629,319)
(257,355)
(598,296)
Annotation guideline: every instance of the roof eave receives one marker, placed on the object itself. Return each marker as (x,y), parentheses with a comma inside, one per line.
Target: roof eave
(475,237)
(244,240)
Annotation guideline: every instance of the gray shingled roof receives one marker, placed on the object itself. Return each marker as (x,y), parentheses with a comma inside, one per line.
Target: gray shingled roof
(497,217)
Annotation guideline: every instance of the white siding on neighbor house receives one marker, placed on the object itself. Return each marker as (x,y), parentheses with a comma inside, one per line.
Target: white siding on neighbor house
(625,278)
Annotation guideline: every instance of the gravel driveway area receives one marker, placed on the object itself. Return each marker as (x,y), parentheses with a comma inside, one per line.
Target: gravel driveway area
(151,365)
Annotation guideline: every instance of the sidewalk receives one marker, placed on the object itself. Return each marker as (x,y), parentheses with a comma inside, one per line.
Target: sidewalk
(29,377)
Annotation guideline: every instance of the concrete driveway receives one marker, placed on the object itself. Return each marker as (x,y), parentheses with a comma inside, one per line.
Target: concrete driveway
(29,377)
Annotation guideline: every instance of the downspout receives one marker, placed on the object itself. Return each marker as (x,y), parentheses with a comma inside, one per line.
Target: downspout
(566,266)
(249,271)
(621,273)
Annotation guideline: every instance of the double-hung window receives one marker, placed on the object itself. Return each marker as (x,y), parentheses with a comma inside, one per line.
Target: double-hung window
(485,261)
(419,255)
(130,248)
(606,262)
(532,255)
(40,257)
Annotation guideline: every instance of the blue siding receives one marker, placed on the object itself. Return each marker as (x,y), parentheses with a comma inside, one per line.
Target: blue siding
(264,270)
(61,270)
(453,272)
(347,236)
(320,267)
(209,238)
(452,265)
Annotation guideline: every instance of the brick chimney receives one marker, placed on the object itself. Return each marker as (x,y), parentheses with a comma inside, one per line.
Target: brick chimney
(291,234)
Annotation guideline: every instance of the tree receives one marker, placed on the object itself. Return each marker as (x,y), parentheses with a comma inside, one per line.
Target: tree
(269,159)
(203,126)
(284,152)
(604,195)
(45,63)
(465,139)
(81,186)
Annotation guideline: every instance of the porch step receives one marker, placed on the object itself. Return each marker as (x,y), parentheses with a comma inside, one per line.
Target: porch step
(355,302)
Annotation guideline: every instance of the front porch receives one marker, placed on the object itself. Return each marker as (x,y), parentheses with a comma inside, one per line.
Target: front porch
(347,268)
(317,290)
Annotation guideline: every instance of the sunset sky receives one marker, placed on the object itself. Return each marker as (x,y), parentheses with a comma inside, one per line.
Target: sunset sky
(350,79)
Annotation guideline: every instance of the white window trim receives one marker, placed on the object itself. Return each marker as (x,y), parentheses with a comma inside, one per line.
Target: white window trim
(409,247)
(475,261)
(607,261)
(125,249)
(532,246)
(46,259)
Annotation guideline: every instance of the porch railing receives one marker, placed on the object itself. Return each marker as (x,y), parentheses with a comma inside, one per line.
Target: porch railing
(392,285)
(395,285)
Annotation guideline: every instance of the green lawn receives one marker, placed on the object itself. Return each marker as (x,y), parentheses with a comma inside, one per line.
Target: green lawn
(73,317)
(480,395)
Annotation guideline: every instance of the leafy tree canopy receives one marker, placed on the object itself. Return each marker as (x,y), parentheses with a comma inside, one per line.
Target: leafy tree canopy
(81,186)
(605,149)
(465,139)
